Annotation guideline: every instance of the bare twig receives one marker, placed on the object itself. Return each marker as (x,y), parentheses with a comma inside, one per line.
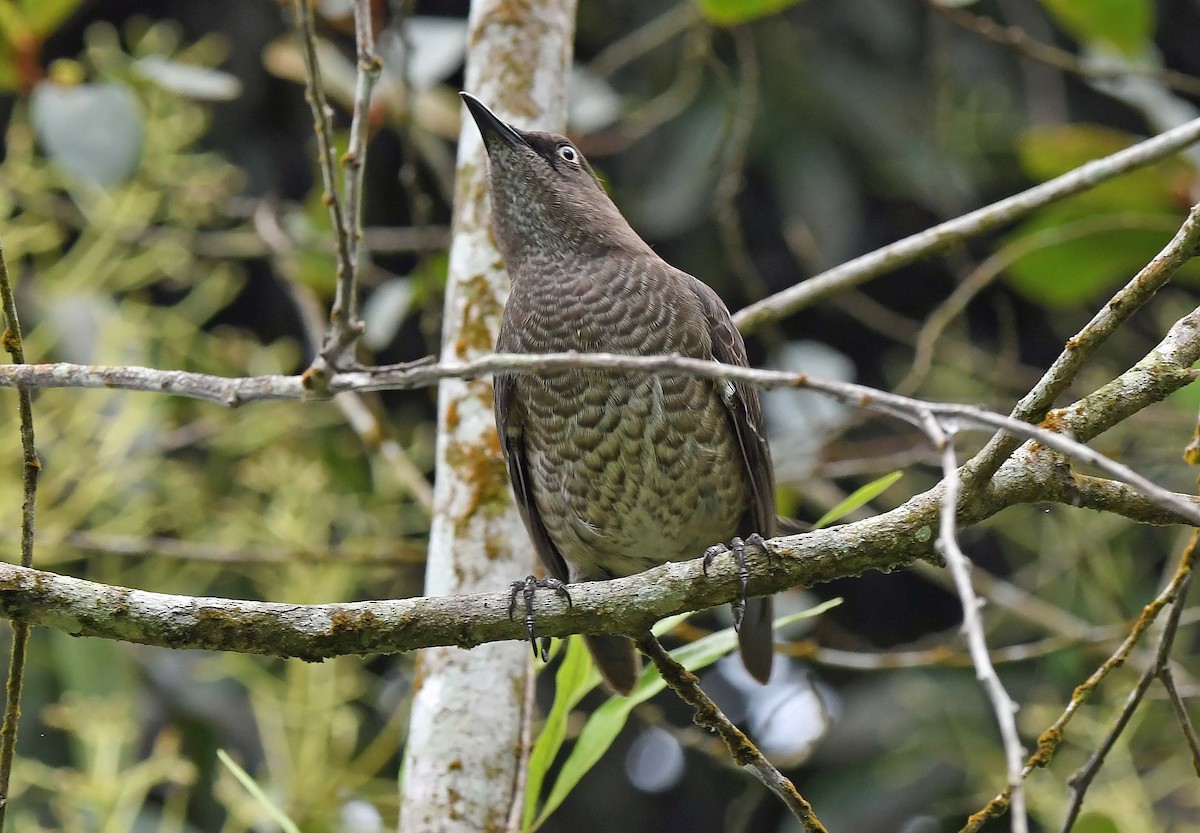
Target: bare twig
(1035,404)
(960,567)
(390,552)
(1167,375)
(1019,40)
(344,324)
(740,120)
(31,466)
(1050,739)
(708,716)
(1167,676)
(644,39)
(955,231)
(993,267)
(365,420)
(314,92)
(1083,777)
(947,656)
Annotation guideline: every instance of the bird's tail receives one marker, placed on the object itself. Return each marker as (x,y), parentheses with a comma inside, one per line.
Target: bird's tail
(756,637)
(617,660)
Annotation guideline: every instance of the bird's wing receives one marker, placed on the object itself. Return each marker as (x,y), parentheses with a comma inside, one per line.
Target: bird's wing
(512,442)
(744,408)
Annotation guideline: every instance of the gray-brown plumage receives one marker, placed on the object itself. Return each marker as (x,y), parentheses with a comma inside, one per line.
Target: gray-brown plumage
(615,473)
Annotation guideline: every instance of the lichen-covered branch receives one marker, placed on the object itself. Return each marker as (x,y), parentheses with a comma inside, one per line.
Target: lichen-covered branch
(707,715)
(628,605)
(1080,347)
(1052,738)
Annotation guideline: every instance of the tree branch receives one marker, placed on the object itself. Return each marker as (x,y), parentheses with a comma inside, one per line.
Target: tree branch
(31,467)
(628,605)
(1078,349)
(707,715)
(953,232)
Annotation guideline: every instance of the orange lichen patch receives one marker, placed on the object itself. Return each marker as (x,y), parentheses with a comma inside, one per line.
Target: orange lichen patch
(343,621)
(453,417)
(1047,743)
(994,809)
(481,468)
(1191,454)
(315,381)
(480,316)
(1053,421)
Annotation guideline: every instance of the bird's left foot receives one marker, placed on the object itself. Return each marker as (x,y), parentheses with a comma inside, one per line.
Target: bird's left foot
(526,589)
(738,547)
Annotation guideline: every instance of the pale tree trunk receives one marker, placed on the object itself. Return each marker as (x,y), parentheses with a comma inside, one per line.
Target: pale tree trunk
(467,735)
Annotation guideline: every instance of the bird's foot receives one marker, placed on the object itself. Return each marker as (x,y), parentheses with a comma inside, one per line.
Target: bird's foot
(738,547)
(526,590)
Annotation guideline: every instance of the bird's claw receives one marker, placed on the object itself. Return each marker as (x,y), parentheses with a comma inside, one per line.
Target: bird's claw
(738,547)
(526,590)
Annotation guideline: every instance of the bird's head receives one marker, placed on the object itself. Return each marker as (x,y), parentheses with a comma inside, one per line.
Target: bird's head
(546,199)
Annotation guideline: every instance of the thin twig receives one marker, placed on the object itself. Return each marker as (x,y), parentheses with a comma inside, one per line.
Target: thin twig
(1167,677)
(946,656)
(314,92)
(419,206)
(1083,777)
(994,266)
(344,324)
(647,38)
(960,567)
(516,802)
(31,467)
(955,231)
(1019,40)
(393,552)
(1078,349)
(366,421)
(345,211)
(708,716)
(1051,739)
(740,119)
(236,391)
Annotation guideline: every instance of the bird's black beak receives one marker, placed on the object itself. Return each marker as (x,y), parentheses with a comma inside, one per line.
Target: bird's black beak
(489,124)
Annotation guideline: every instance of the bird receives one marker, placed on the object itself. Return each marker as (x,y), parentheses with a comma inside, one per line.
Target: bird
(617,472)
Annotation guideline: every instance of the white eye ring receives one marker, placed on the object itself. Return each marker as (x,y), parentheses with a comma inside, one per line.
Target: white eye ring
(568,154)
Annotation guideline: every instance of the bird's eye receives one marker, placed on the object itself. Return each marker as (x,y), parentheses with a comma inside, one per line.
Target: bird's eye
(568,154)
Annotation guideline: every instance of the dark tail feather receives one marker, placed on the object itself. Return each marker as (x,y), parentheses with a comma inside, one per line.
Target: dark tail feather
(791,526)
(756,637)
(617,660)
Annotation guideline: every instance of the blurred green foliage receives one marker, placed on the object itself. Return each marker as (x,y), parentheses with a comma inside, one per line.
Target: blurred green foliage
(283,498)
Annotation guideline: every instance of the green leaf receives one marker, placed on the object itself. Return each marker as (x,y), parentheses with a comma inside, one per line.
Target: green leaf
(1047,152)
(1133,216)
(44,16)
(1095,822)
(1080,269)
(733,12)
(607,721)
(255,790)
(859,497)
(575,678)
(1126,25)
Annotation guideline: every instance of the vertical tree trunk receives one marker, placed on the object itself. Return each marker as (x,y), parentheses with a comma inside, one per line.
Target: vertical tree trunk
(463,760)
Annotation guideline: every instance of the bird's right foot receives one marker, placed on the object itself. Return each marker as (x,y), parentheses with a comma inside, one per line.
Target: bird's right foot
(526,589)
(738,548)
